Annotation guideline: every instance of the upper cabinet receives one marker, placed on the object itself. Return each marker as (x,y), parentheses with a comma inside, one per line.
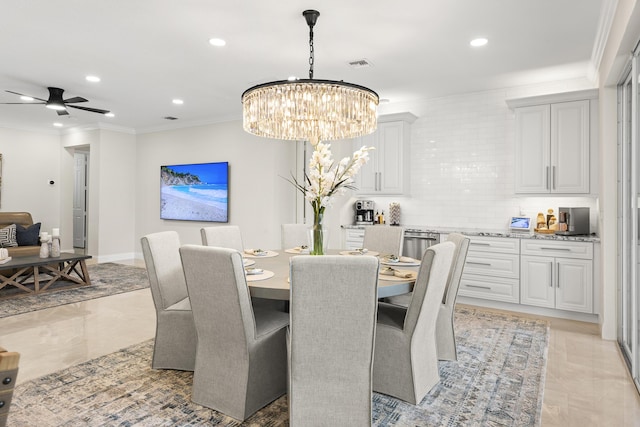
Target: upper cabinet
(553,143)
(387,171)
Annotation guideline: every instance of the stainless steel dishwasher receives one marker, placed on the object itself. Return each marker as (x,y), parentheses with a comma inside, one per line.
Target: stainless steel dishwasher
(416,241)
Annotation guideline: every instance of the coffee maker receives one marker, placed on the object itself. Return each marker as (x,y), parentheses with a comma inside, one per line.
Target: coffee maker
(364,212)
(573,221)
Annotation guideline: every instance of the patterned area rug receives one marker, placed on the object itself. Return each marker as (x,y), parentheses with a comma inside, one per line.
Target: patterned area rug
(106,279)
(497,381)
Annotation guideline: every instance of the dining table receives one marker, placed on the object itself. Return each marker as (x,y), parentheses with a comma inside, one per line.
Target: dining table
(272,278)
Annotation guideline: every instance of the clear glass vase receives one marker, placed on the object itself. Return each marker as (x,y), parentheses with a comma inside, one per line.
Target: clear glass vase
(318,235)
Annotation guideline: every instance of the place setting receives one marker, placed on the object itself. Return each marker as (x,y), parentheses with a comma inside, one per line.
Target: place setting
(395,275)
(259,253)
(403,261)
(360,251)
(299,250)
(256,274)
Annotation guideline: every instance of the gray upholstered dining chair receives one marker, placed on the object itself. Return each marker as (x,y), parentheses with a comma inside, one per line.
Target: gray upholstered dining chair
(175,342)
(445,335)
(406,360)
(223,236)
(241,359)
(294,235)
(386,240)
(331,340)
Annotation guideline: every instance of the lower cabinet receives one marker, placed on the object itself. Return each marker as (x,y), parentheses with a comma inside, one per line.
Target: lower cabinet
(492,269)
(561,282)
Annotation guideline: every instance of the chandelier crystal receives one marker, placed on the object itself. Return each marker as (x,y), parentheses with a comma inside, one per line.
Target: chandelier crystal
(309,109)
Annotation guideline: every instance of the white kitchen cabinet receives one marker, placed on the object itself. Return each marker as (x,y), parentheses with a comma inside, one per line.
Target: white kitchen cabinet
(556,139)
(552,148)
(557,275)
(387,171)
(492,269)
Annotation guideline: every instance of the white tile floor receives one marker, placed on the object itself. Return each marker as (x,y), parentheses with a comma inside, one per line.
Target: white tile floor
(586,382)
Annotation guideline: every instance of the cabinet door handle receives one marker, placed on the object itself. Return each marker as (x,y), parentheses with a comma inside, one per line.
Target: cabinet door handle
(551,277)
(479,263)
(558,276)
(547,185)
(553,177)
(379,181)
(479,287)
(481,243)
(546,248)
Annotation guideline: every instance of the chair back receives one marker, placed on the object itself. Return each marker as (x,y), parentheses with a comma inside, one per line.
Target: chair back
(386,240)
(294,235)
(224,236)
(428,289)
(161,253)
(455,274)
(333,304)
(219,296)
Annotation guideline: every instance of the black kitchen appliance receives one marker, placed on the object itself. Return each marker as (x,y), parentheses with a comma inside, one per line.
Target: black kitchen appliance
(364,212)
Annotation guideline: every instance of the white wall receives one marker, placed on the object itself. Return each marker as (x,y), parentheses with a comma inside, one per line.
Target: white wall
(259,197)
(111,204)
(29,161)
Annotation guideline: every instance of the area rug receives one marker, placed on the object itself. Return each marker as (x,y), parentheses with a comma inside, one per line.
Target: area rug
(106,279)
(497,381)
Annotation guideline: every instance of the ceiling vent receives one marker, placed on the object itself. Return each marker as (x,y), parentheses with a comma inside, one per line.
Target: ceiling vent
(170,118)
(360,63)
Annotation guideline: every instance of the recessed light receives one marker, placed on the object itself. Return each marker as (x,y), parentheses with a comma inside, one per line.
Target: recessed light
(26,98)
(109,115)
(478,42)
(178,101)
(217,42)
(93,79)
(58,125)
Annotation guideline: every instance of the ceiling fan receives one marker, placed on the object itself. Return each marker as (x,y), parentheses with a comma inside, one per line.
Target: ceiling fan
(55,102)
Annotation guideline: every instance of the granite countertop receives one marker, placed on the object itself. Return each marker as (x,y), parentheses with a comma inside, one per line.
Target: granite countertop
(495,233)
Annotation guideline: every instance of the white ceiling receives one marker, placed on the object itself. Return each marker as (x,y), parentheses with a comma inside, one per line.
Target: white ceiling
(148,52)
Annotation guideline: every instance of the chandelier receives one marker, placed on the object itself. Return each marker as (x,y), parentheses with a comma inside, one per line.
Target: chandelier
(309,109)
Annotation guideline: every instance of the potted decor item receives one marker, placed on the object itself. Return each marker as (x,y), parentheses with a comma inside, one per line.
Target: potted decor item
(327,179)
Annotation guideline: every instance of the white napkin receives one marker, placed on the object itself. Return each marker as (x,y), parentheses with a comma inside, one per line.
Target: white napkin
(407,259)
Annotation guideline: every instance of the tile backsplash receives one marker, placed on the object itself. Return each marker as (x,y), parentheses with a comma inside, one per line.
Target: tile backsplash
(462,160)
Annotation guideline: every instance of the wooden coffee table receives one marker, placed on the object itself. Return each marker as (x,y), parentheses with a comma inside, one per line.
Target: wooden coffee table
(25,273)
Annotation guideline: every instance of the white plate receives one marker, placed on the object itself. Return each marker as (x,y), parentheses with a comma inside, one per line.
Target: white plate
(370,253)
(253,271)
(266,274)
(297,251)
(401,264)
(248,262)
(263,254)
(399,279)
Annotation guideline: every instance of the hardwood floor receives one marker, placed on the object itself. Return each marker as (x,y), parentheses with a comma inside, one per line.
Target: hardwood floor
(586,381)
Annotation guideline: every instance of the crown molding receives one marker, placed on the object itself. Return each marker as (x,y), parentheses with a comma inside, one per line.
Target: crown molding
(607,15)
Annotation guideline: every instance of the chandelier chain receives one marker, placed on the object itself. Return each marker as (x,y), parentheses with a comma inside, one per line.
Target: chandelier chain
(311,52)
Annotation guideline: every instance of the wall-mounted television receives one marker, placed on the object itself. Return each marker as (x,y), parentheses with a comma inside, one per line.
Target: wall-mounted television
(195,192)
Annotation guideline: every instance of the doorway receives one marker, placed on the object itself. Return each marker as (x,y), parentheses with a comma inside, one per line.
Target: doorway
(80,198)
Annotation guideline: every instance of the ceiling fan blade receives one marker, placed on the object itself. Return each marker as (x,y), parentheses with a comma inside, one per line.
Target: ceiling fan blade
(62,112)
(22,94)
(75,99)
(93,110)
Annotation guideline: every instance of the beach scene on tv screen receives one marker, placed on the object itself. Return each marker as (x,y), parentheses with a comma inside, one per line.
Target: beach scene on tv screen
(196,192)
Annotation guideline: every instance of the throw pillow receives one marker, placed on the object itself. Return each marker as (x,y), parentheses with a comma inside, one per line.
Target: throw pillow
(8,236)
(28,236)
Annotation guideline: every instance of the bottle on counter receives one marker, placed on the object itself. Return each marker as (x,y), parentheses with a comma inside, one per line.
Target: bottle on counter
(382,218)
(377,220)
